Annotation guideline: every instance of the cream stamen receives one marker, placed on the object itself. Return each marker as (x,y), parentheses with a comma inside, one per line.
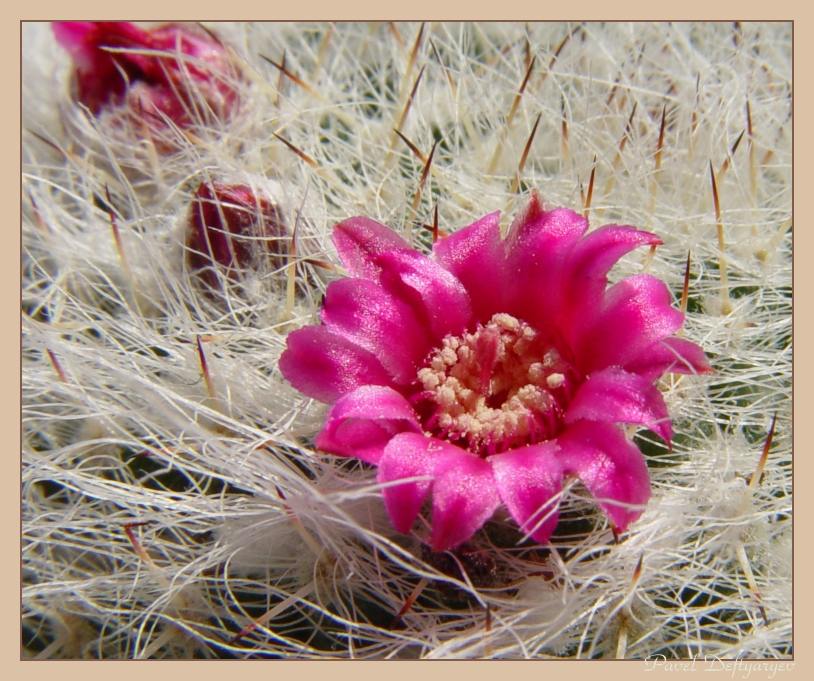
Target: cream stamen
(490,388)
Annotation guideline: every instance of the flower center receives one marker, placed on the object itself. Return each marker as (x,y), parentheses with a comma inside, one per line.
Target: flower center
(499,387)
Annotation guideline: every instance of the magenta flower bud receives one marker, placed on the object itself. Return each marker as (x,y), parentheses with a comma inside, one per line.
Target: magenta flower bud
(488,373)
(177,71)
(231,229)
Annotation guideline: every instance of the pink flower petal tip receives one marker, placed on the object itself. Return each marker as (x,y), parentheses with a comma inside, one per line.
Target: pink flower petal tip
(487,373)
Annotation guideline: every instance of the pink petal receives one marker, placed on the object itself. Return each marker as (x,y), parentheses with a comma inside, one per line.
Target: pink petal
(360,240)
(610,466)
(538,245)
(82,39)
(464,495)
(408,455)
(593,257)
(636,312)
(376,320)
(528,480)
(464,492)
(557,227)
(617,396)
(196,70)
(476,256)
(73,35)
(589,263)
(434,293)
(670,355)
(102,76)
(325,365)
(361,423)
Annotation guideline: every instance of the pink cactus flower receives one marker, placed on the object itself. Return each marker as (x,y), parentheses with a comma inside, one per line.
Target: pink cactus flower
(173,71)
(231,229)
(486,374)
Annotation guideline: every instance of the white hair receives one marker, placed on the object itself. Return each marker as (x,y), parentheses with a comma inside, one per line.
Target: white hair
(169,516)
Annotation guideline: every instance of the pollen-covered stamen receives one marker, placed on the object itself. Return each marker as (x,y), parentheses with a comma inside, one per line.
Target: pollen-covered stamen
(499,387)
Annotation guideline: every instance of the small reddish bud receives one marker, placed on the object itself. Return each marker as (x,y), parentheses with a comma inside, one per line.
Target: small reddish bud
(174,71)
(232,229)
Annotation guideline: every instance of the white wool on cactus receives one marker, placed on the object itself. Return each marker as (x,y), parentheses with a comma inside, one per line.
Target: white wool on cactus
(174,503)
